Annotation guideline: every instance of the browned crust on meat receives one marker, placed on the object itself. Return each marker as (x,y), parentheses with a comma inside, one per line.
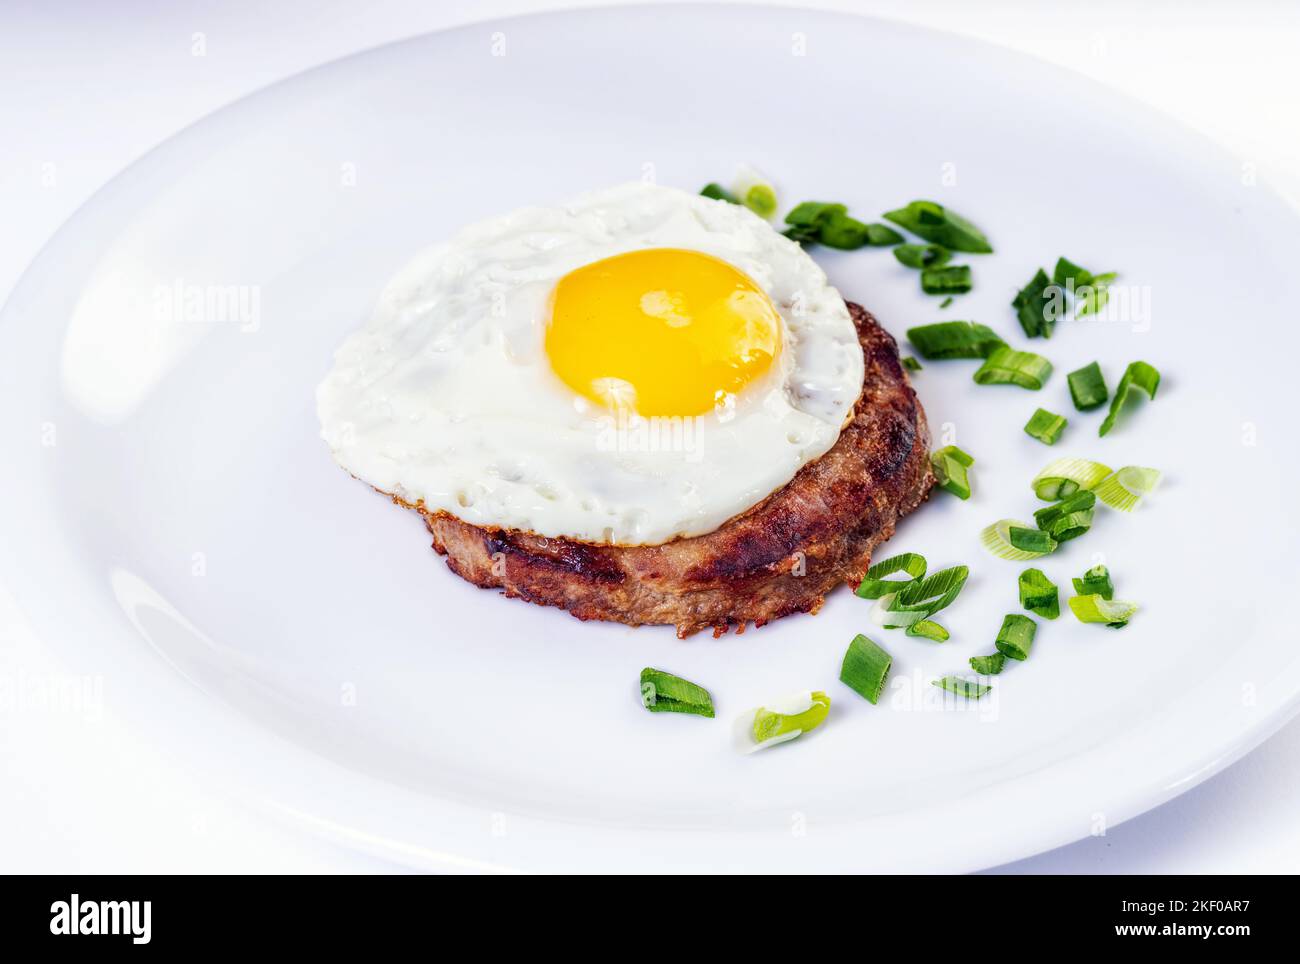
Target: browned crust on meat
(782,556)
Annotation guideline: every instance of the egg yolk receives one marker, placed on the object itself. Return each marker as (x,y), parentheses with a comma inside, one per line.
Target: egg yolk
(662,331)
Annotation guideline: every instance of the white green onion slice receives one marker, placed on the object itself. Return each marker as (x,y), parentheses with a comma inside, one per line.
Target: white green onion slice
(865,668)
(1039,594)
(1095,608)
(989,665)
(755,192)
(1064,477)
(1138,374)
(1006,366)
(1125,488)
(1045,426)
(875,584)
(1016,637)
(920,599)
(962,687)
(950,464)
(888,618)
(665,693)
(997,540)
(780,721)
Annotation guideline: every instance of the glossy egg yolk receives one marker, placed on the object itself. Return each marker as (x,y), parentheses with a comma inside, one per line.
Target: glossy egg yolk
(662,331)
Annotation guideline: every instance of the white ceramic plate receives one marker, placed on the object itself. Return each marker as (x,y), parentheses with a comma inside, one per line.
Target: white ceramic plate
(175,524)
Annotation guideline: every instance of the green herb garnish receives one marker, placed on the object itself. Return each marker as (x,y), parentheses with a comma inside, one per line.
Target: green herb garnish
(838,230)
(1030,540)
(1095,582)
(950,464)
(946,302)
(989,665)
(1006,366)
(911,364)
(1016,637)
(1067,476)
(1045,426)
(962,687)
(920,599)
(953,279)
(865,667)
(770,726)
(876,584)
(1124,489)
(922,255)
(1037,306)
(1096,609)
(934,222)
(1088,387)
(665,693)
(1038,594)
(954,339)
(1080,501)
(1138,374)
(997,540)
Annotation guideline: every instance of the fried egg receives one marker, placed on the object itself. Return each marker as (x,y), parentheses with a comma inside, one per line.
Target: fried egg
(637,365)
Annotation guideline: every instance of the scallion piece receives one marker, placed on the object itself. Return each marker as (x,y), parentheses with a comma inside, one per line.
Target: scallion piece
(1095,582)
(1006,366)
(1088,387)
(1080,501)
(1125,488)
(922,598)
(948,280)
(950,464)
(806,219)
(928,629)
(719,193)
(665,693)
(1138,374)
(962,687)
(1070,526)
(865,667)
(875,584)
(922,255)
(997,540)
(1038,594)
(911,364)
(1097,609)
(934,222)
(954,339)
(1069,275)
(783,721)
(838,230)
(755,192)
(882,236)
(946,302)
(1030,540)
(989,665)
(1095,295)
(1016,637)
(1065,477)
(1037,306)
(1045,426)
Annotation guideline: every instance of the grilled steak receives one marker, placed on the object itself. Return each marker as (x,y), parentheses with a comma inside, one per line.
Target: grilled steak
(782,556)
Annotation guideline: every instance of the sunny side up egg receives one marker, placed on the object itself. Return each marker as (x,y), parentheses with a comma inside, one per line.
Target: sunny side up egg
(637,365)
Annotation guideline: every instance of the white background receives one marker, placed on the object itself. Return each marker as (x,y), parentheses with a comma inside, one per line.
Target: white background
(87,88)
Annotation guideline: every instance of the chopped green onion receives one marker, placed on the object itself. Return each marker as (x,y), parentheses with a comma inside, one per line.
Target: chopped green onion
(1125,488)
(1006,366)
(719,193)
(1038,594)
(1030,540)
(1088,387)
(1045,426)
(813,213)
(755,192)
(884,614)
(911,364)
(1096,581)
(865,667)
(1070,526)
(665,693)
(953,279)
(1069,275)
(1138,374)
(1095,608)
(928,629)
(922,255)
(882,236)
(1095,295)
(946,302)
(838,230)
(950,464)
(989,665)
(1080,501)
(962,687)
(935,223)
(1037,306)
(1016,637)
(791,718)
(954,339)
(920,599)
(874,584)
(1065,477)
(997,540)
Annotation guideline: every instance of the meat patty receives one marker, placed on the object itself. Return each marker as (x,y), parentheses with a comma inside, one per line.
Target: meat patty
(781,556)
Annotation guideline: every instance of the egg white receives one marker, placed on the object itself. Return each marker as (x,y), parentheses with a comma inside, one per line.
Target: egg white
(446,397)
